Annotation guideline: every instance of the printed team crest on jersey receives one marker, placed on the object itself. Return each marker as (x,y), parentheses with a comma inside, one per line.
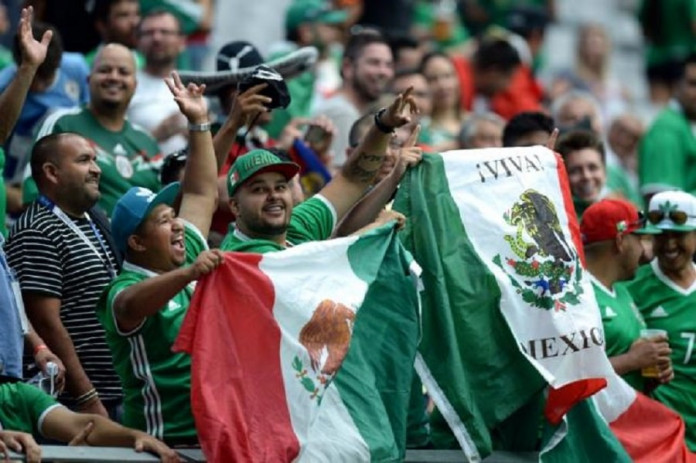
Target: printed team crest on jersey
(124,167)
(542,267)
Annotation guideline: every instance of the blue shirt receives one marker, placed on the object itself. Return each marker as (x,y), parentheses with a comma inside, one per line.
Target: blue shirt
(68,90)
(11,338)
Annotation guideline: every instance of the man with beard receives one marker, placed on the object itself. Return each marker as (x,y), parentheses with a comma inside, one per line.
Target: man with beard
(63,260)
(127,156)
(665,292)
(143,308)
(262,202)
(667,152)
(160,41)
(116,21)
(367,70)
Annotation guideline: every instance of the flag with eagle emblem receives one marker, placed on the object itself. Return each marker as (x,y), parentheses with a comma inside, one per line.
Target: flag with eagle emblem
(305,354)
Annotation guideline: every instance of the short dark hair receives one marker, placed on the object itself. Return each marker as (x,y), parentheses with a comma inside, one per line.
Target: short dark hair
(431,55)
(46,149)
(525,123)
(359,129)
(102,9)
(496,54)
(577,140)
(155,12)
(402,42)
(54,53)
(361,39)
(690,59)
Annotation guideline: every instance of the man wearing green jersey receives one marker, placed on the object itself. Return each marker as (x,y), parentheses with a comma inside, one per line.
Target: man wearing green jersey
(26,411)
(142,309)
(260,198)
(665,292)
(611,231)
(127,155)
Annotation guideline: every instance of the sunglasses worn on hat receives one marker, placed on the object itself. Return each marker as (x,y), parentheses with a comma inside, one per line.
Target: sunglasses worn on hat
(678,217)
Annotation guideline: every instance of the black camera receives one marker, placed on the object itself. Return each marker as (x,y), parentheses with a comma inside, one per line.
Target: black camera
(276,89)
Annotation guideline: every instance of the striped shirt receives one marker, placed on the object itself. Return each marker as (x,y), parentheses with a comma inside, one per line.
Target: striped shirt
(52,260)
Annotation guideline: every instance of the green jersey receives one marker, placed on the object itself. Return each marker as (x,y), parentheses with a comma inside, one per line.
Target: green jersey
(312,220)
(127,158)
(667,154)
(23,407)
(622,323)
(666,306)
(156,381)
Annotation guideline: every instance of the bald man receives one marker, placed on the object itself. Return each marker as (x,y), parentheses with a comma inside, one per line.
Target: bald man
(127,155)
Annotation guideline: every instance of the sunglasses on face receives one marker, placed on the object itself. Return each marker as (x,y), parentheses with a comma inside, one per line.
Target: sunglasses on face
(678,217)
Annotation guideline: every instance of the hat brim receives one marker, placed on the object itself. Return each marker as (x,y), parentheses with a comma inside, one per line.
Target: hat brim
(333,17)
(647,229)
(166,195)
(675,227)
(287,169)
(288,66)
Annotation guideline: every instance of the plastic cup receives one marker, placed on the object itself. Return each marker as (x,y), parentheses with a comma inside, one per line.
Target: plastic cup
(651,333)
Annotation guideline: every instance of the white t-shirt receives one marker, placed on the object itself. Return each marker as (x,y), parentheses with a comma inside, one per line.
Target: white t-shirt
(343,114)
(151,104)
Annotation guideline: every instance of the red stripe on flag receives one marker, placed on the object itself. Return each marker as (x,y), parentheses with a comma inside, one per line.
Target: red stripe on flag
(650,432)
(237,391)
(561,400)
(569,207)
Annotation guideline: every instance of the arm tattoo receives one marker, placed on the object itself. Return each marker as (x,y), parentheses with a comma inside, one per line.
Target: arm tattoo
(362,167)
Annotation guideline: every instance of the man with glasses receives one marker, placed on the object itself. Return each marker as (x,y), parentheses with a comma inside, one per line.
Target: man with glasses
(665,292)
(160,41)
(612,233)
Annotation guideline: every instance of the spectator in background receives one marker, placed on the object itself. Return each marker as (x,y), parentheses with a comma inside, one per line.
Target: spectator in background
(116,21)
(447,115)
(160,41)
(613,240)
(60,82)
(407,52)
(483,130)
(414,79)
(577,109)
(528,129)
(625,133)
(367,70)
(128,156)
(665,292)
(63,258)
(584,158)
(667,152)
(668,28)
(71,18)
(592,73)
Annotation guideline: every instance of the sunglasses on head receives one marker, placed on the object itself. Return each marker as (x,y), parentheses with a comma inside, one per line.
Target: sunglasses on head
(678,217)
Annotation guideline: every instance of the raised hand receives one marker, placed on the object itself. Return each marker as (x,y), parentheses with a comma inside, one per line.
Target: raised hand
(206,262)
(551,142)
(411,154)
(400,111)
(248,105)
(33,51)
(189,99)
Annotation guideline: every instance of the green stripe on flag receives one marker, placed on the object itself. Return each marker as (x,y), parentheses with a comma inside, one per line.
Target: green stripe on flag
(467,345)
(374,381)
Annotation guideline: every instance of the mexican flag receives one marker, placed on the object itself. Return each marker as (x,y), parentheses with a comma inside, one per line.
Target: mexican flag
(305,354)
(509,315)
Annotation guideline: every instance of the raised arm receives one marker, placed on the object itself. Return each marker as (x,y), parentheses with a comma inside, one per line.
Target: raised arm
(199,187)
(33,54)
(359,171)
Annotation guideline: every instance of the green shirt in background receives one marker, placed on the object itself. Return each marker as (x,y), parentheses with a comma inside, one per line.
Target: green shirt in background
(622,324)
(619,181)
(667,154)
(669,26)
(23,407)
(156,381)
(666,306)
(312,220)
(127,158)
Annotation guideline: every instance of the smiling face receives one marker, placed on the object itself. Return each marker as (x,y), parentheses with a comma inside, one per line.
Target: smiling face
(586,174)
(674,250)
(371,71)
(77,173)
(263,206)
(444,86)
(160,40)
(160,237)
(112,81)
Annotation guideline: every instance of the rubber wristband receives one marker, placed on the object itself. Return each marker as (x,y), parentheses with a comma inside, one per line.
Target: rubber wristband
(204,127)
(380,125)
(39,348)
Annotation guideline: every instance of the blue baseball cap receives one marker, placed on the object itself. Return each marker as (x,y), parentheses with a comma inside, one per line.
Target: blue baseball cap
(133,208)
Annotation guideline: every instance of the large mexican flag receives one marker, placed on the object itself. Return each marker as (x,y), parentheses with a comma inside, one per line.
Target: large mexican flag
(305,354)
(509,314)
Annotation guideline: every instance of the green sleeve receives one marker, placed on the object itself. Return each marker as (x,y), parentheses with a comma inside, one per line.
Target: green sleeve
(105,310)
(312,220)
(27,409)
(194,241)
(661,160)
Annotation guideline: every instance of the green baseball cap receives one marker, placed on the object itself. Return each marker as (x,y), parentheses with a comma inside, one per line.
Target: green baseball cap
(303,11)
(256,162)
